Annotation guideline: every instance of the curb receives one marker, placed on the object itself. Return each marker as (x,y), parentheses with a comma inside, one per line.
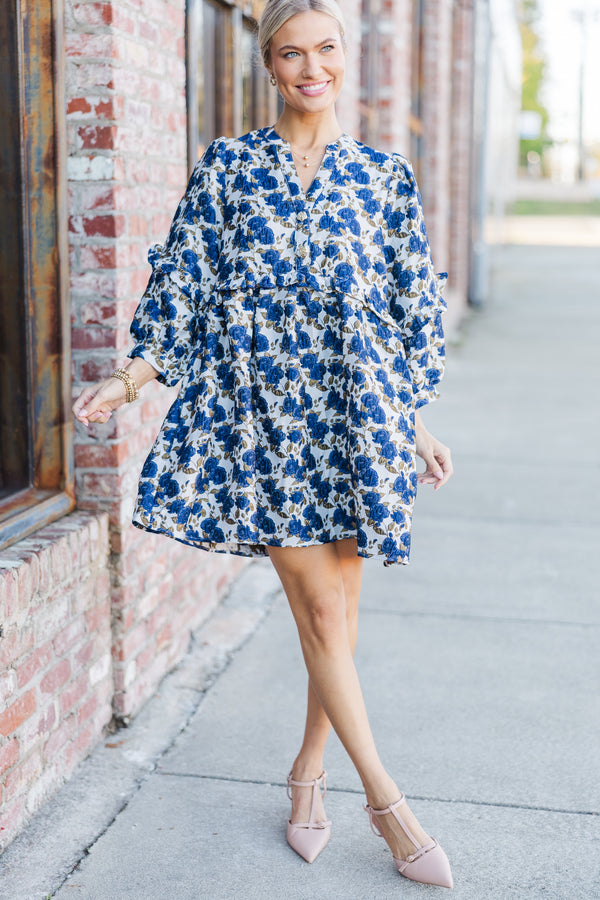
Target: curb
(36,864)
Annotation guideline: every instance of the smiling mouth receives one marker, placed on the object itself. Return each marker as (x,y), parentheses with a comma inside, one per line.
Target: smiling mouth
(313,89)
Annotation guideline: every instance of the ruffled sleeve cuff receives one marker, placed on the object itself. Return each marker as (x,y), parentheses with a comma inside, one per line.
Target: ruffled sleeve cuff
(164,328)
(424,343)
(164,324)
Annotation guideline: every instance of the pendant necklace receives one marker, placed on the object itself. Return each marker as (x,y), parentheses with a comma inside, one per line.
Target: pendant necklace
(304,157)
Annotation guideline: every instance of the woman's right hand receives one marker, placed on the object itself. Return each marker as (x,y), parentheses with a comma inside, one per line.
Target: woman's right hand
(96,403)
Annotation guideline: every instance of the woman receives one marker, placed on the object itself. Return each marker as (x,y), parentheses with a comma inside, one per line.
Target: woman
(296,303)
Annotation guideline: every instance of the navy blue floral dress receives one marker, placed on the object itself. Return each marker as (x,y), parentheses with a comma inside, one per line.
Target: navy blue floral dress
(304,329)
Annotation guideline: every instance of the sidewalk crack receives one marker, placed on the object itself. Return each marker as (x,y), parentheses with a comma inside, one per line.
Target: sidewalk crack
(473,617)
(337,790)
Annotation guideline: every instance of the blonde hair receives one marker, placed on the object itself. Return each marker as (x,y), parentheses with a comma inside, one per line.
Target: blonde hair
(277,12)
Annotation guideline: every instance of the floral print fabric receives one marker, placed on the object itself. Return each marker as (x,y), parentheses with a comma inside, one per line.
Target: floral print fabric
(305,329)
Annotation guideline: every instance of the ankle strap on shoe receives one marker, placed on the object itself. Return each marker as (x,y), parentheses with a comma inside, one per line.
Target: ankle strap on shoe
(391,809)
(314,783)
(322,777)
(383,812)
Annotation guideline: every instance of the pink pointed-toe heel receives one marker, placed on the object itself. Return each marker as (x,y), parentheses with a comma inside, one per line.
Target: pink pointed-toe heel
(308,838)
(428,864)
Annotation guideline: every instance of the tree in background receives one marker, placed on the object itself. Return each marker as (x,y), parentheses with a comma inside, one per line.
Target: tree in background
(534,66)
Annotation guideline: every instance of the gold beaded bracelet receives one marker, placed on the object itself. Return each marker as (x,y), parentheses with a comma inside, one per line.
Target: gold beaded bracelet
(131,389)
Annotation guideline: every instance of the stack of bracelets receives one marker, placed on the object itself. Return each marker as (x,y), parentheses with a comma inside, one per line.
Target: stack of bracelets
(131,389)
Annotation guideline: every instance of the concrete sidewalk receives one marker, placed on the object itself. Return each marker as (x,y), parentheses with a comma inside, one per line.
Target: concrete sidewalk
(480,666)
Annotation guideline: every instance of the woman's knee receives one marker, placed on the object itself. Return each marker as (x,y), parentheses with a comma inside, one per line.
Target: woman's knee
(321,616)
(312,580)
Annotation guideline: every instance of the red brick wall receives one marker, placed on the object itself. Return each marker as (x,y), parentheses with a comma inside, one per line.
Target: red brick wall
(347,108)
(126,115)
(435,164)
(459,236)
(446,124)
(55,661)
(395,36)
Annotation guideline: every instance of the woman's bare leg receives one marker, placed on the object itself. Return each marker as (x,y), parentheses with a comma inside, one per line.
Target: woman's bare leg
(309,762)
(312,580)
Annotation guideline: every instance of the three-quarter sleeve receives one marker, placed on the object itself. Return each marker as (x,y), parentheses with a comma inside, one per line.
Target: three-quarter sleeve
(416,301)
(183,271)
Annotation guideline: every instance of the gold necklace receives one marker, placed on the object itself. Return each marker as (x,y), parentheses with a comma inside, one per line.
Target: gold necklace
(304,156)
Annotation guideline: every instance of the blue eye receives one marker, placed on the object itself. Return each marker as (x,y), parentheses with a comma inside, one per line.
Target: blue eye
(328,47)
(290,53)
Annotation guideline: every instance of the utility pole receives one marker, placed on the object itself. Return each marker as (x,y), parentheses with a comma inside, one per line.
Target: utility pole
(584,18)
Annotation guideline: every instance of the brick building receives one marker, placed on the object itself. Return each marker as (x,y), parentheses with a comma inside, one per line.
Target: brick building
(106,107)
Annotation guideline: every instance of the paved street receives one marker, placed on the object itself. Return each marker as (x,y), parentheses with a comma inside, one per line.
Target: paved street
(480,665)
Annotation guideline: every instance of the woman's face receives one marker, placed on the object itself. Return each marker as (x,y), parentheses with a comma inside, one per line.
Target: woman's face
(307,58)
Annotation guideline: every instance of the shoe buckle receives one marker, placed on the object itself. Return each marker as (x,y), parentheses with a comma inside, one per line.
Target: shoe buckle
(421,851)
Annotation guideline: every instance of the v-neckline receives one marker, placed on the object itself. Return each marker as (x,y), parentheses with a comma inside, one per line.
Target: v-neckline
(323,173)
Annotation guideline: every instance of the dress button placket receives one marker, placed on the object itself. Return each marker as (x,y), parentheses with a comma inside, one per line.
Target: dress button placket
(302,233)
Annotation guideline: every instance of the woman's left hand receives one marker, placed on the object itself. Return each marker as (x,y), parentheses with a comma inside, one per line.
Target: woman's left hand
(436,455)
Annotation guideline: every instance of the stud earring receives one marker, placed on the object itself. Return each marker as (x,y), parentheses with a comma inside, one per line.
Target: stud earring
(273,80)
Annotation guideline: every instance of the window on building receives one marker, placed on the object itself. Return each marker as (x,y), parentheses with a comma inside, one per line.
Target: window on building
(36,477)
(228,88)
